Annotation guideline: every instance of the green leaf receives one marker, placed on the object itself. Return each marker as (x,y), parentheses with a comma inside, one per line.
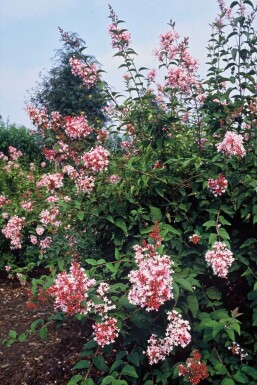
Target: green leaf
(130,371)
(43,333)
(240,377)
(90,344)
(121,224)
(183,283)
(80,215)
(75,379)
(100,363)
(227,381)
(134,358)
(12,334)
(83,364)
(223,234)
(22,337)
(155,214)
(108,380)
(209,224)
(193,304)
(88,381)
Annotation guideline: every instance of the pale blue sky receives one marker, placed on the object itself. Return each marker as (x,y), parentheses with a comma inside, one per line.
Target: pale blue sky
(29,35)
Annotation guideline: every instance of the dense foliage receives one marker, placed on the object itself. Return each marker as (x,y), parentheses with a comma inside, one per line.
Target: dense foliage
(152,242)
(60,90)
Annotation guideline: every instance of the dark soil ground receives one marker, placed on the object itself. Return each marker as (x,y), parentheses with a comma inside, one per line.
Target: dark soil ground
(36,362)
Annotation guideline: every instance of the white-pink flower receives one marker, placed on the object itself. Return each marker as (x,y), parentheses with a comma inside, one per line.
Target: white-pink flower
(220,258)
(232,144)
(177,333)
(152,282)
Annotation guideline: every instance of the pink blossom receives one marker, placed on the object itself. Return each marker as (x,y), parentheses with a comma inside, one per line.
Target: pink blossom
(77,127)
(151,75)
(177,333)
(218,186)
(45,243)
(105,332)
(49,217)
(14,153)
(87,72)
(39,230)
(114,179)
(85,184)
(38,117)
(71,290)
(5,215)
(33,239)
(152,282)
(120,39)
(179,78)
(232,144)
(96,159)
(51,181)
(220,258)
(43,164)
(12,231)
(27,205)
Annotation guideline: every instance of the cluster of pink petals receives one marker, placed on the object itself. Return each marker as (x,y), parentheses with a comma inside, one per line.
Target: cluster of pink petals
(96,159)
(232,144)
(179,77)
(71,290)
(120,39)
(38,117)
(177,333)
(76,127)
(45,244)
(87,72)
(114,179)
(218,186)
(48,217)
(27,205)
(152,282)
(106,331)
(4,201)
(85,184)
(12,231)
(51,181)
(220,258)
(14,153)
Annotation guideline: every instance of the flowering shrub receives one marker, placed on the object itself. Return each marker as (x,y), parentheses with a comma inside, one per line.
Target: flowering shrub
(140,209)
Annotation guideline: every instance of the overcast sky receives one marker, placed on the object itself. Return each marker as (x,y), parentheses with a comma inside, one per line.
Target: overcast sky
(29,35)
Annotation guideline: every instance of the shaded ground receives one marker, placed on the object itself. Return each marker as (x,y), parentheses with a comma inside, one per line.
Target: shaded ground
(35,362)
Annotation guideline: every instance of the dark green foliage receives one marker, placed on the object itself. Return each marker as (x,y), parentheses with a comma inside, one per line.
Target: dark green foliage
(59,90)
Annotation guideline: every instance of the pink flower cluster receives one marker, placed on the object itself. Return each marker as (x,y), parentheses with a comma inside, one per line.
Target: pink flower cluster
(85,183)
(4,201)
(220,258)
(87,72)
(14,153)
(96,159)
(71,290)
(179,78)
(218,186)
(105,332)
(12,231)
(120,38)
(38,117)
(49,217)
(232,144)
(51,181)
(76,127)
(71,296)
(152,282)
(177,333)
